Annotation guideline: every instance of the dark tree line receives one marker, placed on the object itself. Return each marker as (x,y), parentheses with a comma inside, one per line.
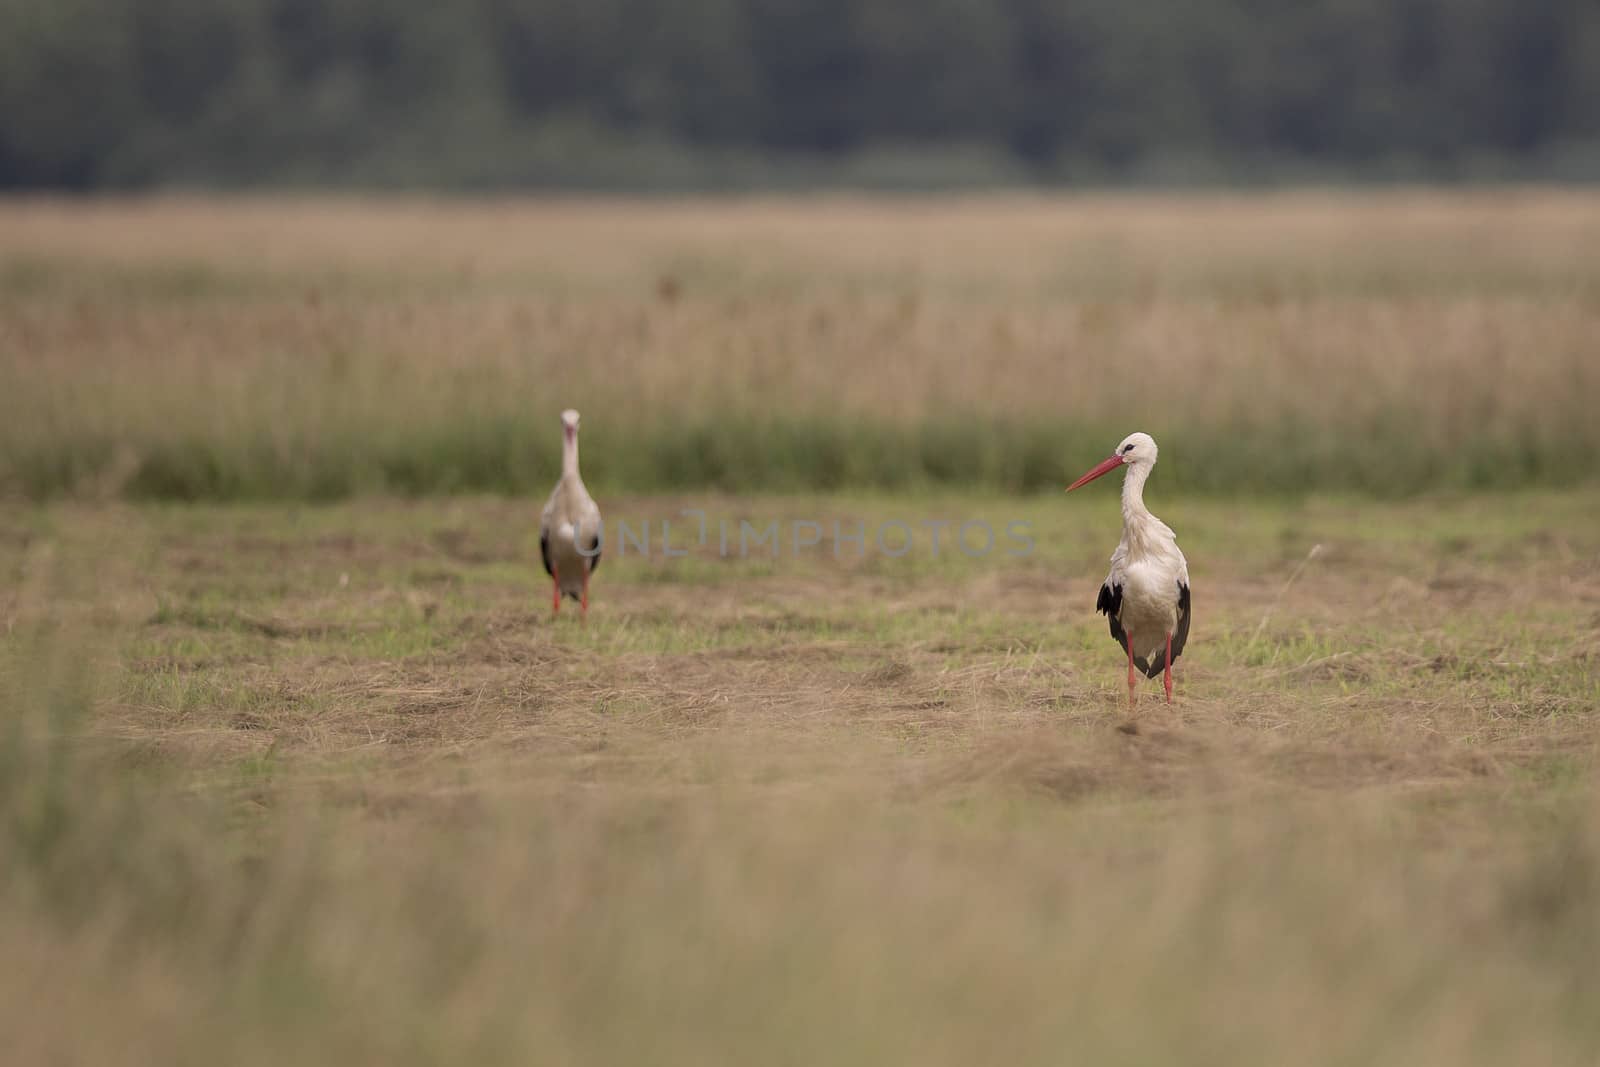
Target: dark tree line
(659,92)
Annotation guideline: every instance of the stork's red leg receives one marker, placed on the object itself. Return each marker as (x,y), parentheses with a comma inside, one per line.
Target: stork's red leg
(1167,677)
(555,591)
(1131,682)
(585,602)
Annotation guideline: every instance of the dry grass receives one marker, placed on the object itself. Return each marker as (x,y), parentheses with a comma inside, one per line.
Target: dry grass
(197,348)
(343,791)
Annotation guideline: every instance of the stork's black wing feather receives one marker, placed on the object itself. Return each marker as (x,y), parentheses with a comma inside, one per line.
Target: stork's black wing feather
(1181,635)
(544,553)
(1110,605)
(594,560)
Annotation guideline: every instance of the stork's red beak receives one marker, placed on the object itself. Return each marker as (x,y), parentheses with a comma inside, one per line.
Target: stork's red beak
(1105,466)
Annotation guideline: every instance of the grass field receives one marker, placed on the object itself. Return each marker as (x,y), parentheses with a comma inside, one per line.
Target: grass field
(297,767)
(342,789)
(1391,343)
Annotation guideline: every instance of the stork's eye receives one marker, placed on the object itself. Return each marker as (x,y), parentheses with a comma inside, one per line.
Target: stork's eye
(1127,448)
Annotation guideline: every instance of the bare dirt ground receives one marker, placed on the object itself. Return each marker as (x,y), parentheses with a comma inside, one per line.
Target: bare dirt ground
(1423,644)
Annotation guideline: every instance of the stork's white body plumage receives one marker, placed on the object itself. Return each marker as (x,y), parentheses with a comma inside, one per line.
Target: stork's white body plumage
(1145,597)
(569,528)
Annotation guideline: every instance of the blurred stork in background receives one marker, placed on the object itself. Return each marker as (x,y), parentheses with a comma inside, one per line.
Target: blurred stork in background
(569,529)
(1146,595)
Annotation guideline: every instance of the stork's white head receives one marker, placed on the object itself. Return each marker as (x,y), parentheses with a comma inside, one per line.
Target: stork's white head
(1136,449)
(569,424)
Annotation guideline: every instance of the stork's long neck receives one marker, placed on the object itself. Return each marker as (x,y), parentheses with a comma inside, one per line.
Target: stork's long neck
(1136,518)
(569,453)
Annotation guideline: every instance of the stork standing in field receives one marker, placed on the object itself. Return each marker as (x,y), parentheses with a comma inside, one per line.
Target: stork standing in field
(569,529)
(1146,595)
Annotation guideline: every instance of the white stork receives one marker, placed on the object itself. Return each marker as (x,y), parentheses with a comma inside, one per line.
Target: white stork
(569,529)
(1146,595)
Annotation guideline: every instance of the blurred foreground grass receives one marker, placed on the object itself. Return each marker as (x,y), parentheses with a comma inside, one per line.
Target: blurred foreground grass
(326,784)
(1388,343)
